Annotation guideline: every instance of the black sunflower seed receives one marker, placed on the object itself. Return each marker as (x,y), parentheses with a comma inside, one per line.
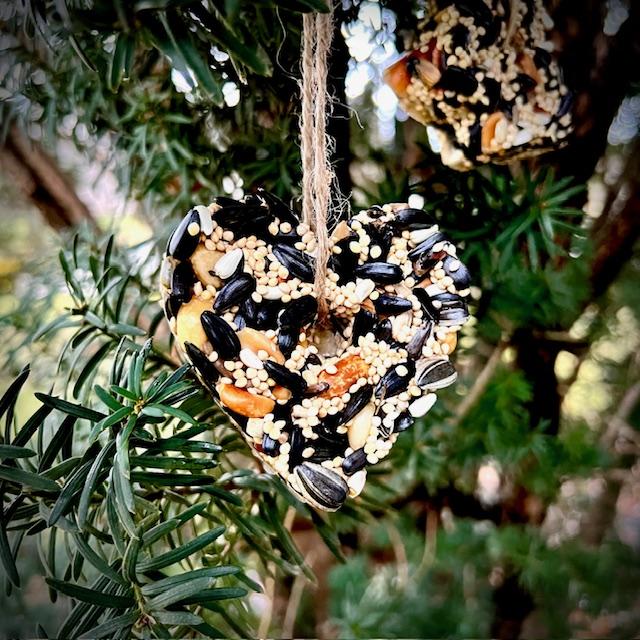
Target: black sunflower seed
(299,264)
(285,377)
(380,272)
(460,276)
(392,383)
(384,330)
(221,336)
(412,220)
(414,346)
(207,371)
(287,340)
(462,81)
(234,292)
(390,305)
(298,313)
(403,422)
(354,462)
(278,208)
(363,323)
(182,282)
(324,486)
(436,373)
(270,447)
(181,243)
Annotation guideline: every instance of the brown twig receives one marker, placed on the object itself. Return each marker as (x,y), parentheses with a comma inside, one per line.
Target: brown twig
(38,176)
(480,385)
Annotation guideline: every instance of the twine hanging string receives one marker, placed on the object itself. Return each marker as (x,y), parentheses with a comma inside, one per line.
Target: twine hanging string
(317,173)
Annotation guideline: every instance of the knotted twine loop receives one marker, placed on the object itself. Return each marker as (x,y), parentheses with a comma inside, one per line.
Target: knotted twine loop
(317,173)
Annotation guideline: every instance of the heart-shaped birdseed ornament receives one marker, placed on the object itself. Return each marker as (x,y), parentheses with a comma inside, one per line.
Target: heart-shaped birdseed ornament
(316,401)
(481,74)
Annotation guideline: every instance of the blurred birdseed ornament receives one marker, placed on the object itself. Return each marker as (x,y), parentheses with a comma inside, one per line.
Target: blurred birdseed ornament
(317,402)
(482,76)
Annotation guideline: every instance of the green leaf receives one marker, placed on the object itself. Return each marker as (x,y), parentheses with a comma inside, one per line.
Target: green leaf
(121,476)
(123,329)
(90,484)
(125,393)
(327,534)
(69,408)
(180,591)
(180,48)
(176,413)
(115,527)
(159,531)
(130,559)
(72,487)
(114,418)
(11,395)
(6,556)
(74,288)
(94,559)
(166,462)
(212,595)
(175,444)
(8,451)
(107,398)
(31,426)
(112,627)
(27,478)
(180,553)
(176,618)
(62,437)
(92,596)
(271,512)
(251,55)
(61,322)
(90,366)
(120,62)
(171,479)
(159,586)
(223,494)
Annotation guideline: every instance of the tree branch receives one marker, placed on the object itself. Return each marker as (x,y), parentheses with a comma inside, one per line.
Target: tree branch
(37,175)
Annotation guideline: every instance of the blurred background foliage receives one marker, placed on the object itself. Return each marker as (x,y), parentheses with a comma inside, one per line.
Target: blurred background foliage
(129,505)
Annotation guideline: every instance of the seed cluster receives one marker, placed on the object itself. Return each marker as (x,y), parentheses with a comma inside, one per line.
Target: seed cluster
(316,402)
(482,76)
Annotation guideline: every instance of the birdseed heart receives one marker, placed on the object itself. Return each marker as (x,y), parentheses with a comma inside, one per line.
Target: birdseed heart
(317,402)
(482,75)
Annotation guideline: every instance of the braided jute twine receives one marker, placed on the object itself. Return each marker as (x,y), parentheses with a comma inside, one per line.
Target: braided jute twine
(317,173)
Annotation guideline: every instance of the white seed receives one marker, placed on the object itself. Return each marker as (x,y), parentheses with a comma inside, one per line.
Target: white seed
(420,235)
(375,252)
(206,223)
(522,137)
(193,229)
(422,405)
(272,293)
(359,427)
(402,371)
(356,483)
(250,359)
(364,287)
(226,266)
